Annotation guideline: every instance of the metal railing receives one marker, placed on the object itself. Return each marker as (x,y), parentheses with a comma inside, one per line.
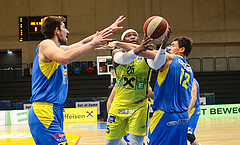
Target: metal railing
(205,64)
(213,64)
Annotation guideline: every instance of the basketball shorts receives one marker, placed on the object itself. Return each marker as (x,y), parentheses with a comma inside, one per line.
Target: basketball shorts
(135,123)
(192,122)
(46,124)
(168,128)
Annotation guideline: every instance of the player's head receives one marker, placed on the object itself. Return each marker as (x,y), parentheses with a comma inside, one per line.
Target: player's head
(54,26)
(130,36)
(181,45)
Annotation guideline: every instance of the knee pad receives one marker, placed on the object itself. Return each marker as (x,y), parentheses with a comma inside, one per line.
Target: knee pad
(191,138)
(136,140)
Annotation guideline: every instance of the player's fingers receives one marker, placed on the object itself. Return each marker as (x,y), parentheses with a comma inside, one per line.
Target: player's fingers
(149,46)
(121,20)
(97,33)
(144,37)
(107,31)
(147,40)
(104,40)
(118,28)
(106,35)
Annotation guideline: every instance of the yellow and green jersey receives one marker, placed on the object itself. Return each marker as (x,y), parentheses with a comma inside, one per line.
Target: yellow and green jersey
(132,85)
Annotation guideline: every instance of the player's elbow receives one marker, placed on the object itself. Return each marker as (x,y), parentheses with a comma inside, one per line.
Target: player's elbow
(64,60)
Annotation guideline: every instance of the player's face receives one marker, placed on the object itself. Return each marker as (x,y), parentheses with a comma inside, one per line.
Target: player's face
(131,37)
(174,48)
(62,37)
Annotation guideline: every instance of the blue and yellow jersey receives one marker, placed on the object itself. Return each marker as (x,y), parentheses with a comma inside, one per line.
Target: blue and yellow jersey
(198,95)
(49,81)
(132,84)
(173,87)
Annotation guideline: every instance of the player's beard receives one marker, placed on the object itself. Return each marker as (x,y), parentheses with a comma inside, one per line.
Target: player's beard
(62,42)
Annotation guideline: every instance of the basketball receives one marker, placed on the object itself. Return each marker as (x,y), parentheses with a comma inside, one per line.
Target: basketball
(156,27)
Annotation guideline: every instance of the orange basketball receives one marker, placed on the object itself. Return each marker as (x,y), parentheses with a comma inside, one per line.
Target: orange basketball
(156,27)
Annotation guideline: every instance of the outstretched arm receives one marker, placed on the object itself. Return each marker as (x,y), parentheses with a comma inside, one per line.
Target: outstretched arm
(113,27)
(48,50)
(125,57)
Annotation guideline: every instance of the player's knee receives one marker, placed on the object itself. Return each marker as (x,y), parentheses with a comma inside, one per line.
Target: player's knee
(191,138)
(113,142)
(136,140)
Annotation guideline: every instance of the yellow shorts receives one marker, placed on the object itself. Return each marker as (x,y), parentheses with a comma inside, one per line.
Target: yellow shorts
(127,120)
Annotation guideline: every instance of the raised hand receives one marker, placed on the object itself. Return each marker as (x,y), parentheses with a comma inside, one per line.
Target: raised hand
(101,37)
(164,41)
(114,27)
(144,45)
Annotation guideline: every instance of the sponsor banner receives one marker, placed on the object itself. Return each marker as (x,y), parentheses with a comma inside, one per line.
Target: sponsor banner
(89,104)
(2,117)
(16,117)
(80,114)
(229,110)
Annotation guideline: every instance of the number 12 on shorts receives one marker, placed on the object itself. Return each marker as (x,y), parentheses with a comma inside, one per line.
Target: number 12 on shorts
(184,81)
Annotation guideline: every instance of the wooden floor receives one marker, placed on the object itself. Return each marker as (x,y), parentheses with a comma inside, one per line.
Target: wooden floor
(210,131)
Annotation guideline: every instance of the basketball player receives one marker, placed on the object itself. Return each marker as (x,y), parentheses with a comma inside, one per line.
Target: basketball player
(50,79)
(194,113)
(129,109)
(172,95)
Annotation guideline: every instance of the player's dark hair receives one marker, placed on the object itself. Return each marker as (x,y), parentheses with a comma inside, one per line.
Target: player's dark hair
(50,24)
(184,42)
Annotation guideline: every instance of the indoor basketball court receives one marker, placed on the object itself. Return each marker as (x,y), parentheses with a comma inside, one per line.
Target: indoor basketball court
(221,131)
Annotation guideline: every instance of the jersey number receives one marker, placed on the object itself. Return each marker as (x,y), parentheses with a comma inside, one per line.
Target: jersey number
(185,81)
(130,69)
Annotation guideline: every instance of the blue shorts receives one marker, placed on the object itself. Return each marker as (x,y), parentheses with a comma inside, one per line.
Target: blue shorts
(192,123)
(46,124)
(168,128)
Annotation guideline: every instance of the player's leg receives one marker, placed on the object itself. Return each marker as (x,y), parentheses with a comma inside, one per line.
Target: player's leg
(45,124)
(180,135)
(168,128)
(116,129)
(192,124)
(136,140)
(192,139)
(138,125)
(119,141)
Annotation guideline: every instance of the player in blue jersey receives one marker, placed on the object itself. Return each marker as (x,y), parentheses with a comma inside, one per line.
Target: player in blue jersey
(172,95)
(50,78)
(194,113)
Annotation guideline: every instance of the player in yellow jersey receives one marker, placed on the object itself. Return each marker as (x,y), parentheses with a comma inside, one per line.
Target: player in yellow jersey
(129,109)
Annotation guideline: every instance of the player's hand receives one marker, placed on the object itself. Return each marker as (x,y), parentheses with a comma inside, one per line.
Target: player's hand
(144,45)
(114,27)
(101,37)
(110,46)
(164,41)
(104,47)
(150,93)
